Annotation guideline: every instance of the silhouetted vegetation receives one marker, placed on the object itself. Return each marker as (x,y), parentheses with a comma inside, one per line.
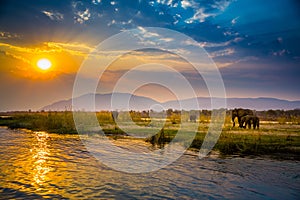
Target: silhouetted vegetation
(53,122)
(281,116)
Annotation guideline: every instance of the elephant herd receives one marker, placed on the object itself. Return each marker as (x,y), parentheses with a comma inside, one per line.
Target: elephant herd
(246,118)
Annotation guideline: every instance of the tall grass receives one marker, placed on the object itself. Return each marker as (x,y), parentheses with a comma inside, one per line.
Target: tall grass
(53,122)
(269,139)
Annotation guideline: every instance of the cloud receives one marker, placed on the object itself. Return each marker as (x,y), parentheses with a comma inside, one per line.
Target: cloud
(125,61)
(233,22)
(77,49)
(111,22)
(55,16)
(21,60)
(221,5)
(172,3)
(147,38)
(202,13)
(82,16)
(167,39)
(224,64)
(281,52)
(5,47)
(17,57)
(190,11)
(223,52)
(212,44)
(199,16)
(126,22)
(280,40)
(96,2)
(121,23)
(8,35)
(188,4)
(230,33)
(81,12)
(48,47)
(147,34)
(230,63)
(204,44)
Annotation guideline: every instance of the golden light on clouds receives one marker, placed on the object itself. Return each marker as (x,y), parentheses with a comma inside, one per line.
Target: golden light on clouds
(37,61)
(32,62)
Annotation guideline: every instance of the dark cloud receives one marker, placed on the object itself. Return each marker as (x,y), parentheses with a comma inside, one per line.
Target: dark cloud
(263,78)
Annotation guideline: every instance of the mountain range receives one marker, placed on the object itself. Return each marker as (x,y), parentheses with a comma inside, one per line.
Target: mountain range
(103,102)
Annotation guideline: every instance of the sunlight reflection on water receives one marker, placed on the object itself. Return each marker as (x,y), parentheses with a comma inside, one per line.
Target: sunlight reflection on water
(37,165)
(40,155)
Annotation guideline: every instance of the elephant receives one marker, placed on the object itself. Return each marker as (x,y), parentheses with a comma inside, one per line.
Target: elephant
(193,118)
(239,113)
(249,120)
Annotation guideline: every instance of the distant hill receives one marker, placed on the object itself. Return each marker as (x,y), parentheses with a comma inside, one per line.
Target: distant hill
(103,102)
(251,103)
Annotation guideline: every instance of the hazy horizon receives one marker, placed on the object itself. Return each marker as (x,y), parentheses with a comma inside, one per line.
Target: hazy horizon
(273,103)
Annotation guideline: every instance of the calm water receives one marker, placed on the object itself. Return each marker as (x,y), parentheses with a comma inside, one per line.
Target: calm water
(40,165)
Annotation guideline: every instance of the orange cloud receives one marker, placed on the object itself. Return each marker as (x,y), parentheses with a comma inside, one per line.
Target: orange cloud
(65,57)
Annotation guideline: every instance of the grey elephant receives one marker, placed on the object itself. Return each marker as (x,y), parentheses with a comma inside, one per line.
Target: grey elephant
(249,120)
(193,118)
(239,113)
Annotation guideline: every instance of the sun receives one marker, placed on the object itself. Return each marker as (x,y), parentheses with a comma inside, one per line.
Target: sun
(44,64)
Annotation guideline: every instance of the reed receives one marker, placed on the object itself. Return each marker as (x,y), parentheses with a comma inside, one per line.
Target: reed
(271,138)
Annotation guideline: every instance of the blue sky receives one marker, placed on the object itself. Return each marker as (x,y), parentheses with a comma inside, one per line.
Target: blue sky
(255,43)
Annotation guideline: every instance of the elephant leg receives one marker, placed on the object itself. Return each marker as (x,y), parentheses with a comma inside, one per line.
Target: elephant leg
(257,124)
(249,124)
(240,122)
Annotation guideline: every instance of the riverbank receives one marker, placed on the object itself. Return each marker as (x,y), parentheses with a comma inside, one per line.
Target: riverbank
(272,139)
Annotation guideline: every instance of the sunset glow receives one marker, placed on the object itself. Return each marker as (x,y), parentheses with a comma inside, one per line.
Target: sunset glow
(44,64)
(257,56)
(149,99)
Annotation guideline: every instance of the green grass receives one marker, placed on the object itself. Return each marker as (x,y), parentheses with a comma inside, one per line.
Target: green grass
(270,139)
(246,142)
(52,122)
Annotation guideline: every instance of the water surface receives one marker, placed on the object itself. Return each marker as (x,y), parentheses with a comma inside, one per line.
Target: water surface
(38,165)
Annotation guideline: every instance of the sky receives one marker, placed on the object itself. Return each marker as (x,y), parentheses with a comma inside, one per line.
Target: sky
(255,45)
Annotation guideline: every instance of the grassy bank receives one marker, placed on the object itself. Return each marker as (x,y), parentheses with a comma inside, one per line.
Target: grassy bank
(270,139)
(243,141)
(52,122)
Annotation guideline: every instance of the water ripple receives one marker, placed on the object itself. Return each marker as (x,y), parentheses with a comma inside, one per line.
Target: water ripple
(38,165)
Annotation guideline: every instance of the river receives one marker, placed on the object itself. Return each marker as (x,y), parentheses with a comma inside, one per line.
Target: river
(38,165)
